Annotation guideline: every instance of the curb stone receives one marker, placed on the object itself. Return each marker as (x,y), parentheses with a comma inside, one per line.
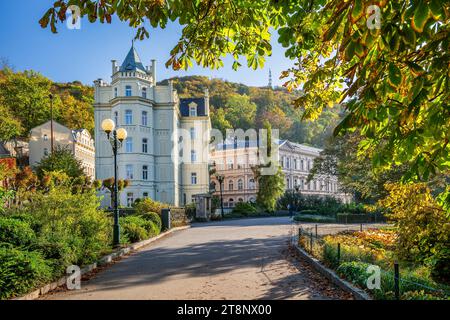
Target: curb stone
(359,294)
(101,262)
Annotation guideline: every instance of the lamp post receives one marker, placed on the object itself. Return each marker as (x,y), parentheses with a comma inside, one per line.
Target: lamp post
(221,178)
(116,140)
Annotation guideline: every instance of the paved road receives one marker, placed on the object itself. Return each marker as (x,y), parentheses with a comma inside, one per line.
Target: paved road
(239,259)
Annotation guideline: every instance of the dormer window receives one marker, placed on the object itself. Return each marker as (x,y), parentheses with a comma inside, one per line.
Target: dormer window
(193,109)
(128,91)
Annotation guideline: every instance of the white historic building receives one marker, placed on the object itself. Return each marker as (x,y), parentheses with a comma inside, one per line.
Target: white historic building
(165,156)
(79,142)
(234,161)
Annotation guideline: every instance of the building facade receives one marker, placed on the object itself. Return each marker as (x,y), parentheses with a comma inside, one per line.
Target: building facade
(164,155)
(79,142)
(235,161)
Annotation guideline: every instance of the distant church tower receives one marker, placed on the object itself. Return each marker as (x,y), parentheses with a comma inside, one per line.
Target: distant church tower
(154,117)
(270,79)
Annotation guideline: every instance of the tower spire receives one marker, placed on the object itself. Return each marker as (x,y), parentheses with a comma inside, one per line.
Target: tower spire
(270,78)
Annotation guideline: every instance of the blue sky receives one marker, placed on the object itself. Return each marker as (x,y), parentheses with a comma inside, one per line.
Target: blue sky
(85,54)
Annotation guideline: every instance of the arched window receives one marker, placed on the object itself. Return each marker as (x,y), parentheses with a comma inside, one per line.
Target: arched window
(240,184)
(252,184)
(231,203)
(241,200)
(230,185)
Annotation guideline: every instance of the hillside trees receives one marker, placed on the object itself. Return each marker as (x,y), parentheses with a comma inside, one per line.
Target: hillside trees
(25,103)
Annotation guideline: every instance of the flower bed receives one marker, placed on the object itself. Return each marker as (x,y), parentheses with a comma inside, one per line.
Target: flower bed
(359,250)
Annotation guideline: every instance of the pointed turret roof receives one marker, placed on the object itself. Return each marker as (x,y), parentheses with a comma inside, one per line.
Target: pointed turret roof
(132,62)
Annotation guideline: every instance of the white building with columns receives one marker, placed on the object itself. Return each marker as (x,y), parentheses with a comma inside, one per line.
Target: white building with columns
(234,161)
(165,156)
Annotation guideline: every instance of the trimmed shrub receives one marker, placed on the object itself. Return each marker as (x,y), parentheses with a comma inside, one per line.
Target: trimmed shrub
(149,205)
(134,232)
(137,228)
(308,212)
(323,205)
(153,217)
(359,218)
(16,232)
(309,218)
(244,208)
(21,271)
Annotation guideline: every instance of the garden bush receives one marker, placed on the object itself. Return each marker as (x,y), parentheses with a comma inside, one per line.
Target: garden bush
(149,205)
(153,217)
(312,218)
(137,228)
(244,208)
(323,205)
(16,232)
(69,227)
(353,208)
(58,249)
(310,212)
(21,271)
(133,228)
(359,218)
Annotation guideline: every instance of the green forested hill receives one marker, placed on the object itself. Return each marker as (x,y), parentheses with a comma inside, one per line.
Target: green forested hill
(24,104)
(236,105)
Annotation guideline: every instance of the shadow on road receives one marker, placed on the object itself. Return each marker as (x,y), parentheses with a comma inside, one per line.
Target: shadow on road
(157,264)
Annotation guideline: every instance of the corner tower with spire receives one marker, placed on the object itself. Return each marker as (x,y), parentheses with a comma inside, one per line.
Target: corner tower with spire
(154,118)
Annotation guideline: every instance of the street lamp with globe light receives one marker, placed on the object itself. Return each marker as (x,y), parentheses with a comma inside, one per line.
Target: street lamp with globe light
(116,138)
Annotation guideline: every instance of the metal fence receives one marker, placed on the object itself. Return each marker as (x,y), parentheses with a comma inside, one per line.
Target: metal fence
(395,280)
